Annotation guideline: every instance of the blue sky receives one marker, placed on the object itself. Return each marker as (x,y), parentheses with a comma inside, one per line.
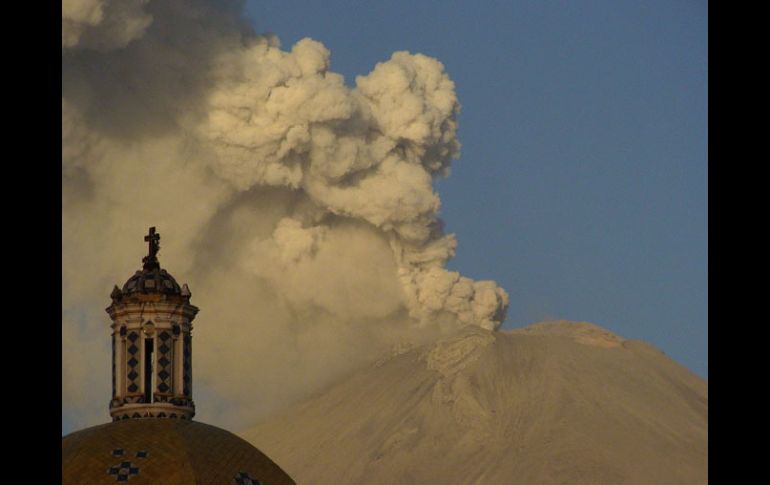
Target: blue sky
(582,184)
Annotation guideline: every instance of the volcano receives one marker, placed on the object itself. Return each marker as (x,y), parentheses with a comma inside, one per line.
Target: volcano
(555,402)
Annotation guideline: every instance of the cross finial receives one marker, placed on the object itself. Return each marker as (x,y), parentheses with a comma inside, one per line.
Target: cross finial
(151,261)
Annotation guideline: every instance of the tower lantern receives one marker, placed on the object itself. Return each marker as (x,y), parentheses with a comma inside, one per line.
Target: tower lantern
(151,343)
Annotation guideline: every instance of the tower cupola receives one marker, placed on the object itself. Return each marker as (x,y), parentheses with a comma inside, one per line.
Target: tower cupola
(151,343)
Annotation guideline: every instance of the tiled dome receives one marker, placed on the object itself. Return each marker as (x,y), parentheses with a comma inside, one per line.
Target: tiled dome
(165,451)
(152,439)
(153,280)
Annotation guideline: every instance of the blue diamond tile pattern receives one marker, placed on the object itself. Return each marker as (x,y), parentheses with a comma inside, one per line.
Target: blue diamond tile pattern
(132,372)
(187,366)
(123,471)
(113,366)
(165,359)
(243,478)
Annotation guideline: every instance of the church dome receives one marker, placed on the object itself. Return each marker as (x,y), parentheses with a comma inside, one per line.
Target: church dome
(167,451)
(152,438)
(153,280)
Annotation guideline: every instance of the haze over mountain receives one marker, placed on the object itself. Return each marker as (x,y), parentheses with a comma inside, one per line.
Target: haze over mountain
(555,402)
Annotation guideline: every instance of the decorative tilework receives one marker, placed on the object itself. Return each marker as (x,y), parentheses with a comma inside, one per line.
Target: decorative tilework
(187,366)
(141,454)
(243,478)
(117,452)
(178,453)
(113,366)
(123,471)
(165,359)
(132,372)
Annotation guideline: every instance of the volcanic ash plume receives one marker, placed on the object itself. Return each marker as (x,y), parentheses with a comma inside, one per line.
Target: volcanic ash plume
(102,24)
(300,210)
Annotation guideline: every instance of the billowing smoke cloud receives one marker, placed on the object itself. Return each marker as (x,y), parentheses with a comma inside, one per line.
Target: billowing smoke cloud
(300,210)
(102,24)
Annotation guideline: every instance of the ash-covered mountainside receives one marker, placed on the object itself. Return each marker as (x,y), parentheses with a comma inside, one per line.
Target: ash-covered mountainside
(555,402)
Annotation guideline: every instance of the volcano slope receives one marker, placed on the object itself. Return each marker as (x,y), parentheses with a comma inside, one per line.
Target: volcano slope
(555,402)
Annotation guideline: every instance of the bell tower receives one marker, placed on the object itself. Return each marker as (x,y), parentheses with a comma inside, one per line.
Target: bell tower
(151,343)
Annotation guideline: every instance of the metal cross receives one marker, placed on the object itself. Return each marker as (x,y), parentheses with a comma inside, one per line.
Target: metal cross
(154,241)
